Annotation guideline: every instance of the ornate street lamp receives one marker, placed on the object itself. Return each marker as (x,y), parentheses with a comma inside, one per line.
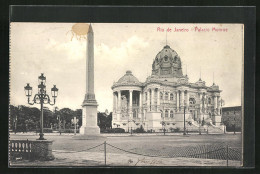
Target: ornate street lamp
(58,118)
(15,123)
(75,122)
(197,107)
(163,127)
(184,125)
(132,121)
(41,98)
(234,125)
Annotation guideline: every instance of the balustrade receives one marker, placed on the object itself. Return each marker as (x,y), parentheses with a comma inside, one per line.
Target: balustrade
(32,150)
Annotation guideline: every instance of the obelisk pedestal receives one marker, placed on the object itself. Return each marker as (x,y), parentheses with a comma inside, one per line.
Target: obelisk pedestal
(89,119)
(89,107)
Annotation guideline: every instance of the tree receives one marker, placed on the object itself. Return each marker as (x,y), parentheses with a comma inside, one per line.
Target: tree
(26,118)
(13,117)
(109,121)
(104,121)
(78,114)
(67,114)
(48,117)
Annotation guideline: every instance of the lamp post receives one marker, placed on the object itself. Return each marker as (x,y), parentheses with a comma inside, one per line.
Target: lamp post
(222,103)
(197,107)
(184,125)
(75,121)
(41,98)
(58,118)
(234,125)
(15,124)
(163,127)
(130,120)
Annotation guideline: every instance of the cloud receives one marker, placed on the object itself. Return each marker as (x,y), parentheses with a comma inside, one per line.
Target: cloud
(45,47)
(73,49)
(111,63)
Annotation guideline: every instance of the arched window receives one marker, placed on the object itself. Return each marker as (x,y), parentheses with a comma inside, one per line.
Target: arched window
(171,114)
(134,114)
(161,95)
(209,101)
(166,96)
(192,101)
(166,113)
(171,96)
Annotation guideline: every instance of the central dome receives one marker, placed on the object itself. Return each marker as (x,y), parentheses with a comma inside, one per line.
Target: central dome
(166,52)
(167,63)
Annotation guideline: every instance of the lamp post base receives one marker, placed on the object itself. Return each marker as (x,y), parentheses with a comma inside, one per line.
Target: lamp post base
(41,137)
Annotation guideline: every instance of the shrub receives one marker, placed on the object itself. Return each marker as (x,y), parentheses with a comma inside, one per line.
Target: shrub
(46,130)
(118,130)
(69,131)
(113,130)
(139,130)
(171,129)
(177,129)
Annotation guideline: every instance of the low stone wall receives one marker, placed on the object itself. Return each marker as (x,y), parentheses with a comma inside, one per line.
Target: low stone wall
(32,150)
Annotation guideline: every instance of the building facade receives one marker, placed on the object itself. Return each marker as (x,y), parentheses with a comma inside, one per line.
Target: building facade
(232,118)
(164,98)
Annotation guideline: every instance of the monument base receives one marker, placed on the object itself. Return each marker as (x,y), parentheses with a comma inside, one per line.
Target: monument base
(154,121)
(89,133)
(89,130)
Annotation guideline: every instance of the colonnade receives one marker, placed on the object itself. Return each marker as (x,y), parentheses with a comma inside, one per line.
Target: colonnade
(180,98)
(117,102)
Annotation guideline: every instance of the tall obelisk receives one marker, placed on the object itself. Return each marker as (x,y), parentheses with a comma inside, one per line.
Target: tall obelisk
(89,106)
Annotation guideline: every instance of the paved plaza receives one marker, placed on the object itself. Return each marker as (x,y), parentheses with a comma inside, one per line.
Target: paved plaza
(135,150)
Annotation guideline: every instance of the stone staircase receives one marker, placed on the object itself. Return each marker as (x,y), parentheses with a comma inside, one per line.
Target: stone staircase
(212,129)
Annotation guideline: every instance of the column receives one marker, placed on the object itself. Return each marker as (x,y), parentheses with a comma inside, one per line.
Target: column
(119,101)
(163,114)
(205,103)
(163,97)
(140,102)
(187,99)
(144,116)
(152,99)
(148,100)
(200,96)
(158,100)
(140,105)
(144,101)
(218,105)
(118,105)
(215,104)
(114,102)
(178,100)
(131,103)
(182,99)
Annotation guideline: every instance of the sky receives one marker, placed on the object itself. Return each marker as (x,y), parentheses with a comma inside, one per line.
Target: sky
(53,49)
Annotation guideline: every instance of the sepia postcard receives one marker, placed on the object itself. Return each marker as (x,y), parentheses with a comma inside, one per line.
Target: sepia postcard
(126,94)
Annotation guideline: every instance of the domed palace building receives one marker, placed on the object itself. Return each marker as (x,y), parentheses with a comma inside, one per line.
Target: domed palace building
(164,98)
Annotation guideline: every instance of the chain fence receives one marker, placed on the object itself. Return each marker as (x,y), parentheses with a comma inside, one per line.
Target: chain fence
(219,151)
